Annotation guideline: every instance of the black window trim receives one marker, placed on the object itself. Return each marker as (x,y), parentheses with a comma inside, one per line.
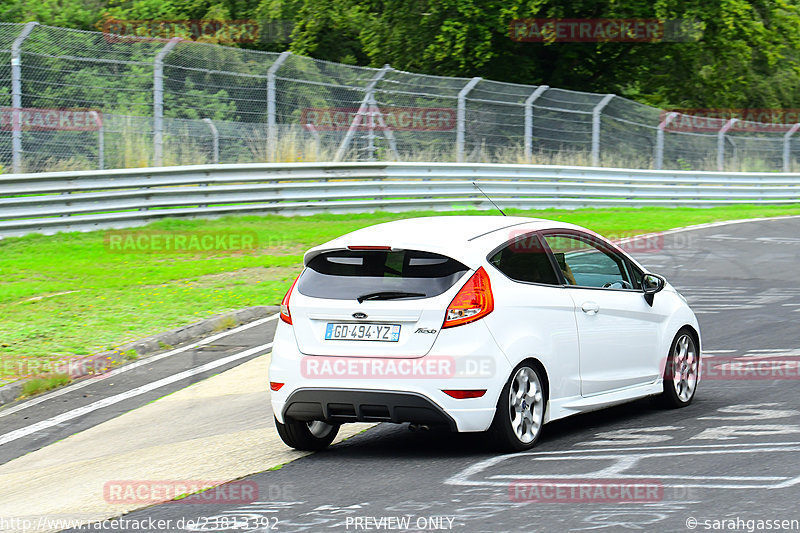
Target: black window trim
(604,246)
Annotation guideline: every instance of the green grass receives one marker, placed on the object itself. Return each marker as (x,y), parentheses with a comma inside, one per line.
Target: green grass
(68,295)
(36,386)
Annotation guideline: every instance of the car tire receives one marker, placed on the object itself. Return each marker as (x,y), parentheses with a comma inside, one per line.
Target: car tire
(681,371)
(519,416)
(306,436)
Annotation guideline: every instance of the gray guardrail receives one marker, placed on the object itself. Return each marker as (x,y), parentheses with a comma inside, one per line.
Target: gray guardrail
(79,201)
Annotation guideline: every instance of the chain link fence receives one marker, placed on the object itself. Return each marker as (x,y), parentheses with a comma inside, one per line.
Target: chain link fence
(75,100)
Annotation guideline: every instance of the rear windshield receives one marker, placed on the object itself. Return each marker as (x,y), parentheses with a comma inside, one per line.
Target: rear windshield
(351,274)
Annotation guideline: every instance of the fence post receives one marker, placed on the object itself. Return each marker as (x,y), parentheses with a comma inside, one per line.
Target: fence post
(787,140)
(101,140)
(461,117)
(529,119)
(721,142)
(362,110)
(158,101)
(16,97)
(214,138)
(272,134)
(598,109)
(660,138)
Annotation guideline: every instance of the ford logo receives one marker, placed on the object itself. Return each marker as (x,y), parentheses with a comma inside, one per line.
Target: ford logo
(359,315)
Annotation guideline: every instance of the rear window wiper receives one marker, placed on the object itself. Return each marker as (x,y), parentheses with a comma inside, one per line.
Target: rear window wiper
(388,295)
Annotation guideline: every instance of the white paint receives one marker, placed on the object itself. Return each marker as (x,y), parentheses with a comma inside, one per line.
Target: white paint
(627,460)
(734,432)
(131,366)
(755,411)
(111,400)
(633,436)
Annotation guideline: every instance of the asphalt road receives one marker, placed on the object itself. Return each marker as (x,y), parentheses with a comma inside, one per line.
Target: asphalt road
(95,401)
(722,464)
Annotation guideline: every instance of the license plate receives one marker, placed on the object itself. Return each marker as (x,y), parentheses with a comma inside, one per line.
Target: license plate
(362,332)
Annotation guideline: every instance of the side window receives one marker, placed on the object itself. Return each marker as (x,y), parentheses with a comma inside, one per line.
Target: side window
(585,263)
(525,259)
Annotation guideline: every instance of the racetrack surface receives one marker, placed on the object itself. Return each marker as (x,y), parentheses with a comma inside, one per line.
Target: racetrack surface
(731,455)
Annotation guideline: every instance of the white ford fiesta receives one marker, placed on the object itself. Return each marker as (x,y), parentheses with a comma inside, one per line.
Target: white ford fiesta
(479,323)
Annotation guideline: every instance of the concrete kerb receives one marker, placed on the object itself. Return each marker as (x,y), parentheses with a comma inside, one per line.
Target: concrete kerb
(160,342)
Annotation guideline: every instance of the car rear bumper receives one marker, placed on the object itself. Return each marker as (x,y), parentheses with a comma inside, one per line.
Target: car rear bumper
(360,398)
(340,406)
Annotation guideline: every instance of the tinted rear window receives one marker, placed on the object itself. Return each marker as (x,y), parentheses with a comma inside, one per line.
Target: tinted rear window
(348,274)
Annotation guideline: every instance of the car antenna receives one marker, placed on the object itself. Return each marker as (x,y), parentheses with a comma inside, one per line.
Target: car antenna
(487,197)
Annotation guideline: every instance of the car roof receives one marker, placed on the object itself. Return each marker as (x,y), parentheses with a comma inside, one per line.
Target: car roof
(466,238)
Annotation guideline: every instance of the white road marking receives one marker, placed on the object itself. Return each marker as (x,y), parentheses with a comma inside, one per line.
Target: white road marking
(137,364)
(466,476)
(111,400)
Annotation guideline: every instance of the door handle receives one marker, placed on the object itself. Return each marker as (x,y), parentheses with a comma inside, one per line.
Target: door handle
(590,308)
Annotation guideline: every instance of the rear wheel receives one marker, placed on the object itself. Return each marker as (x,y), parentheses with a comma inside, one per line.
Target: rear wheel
(307,436)
(520,411)
(681,371)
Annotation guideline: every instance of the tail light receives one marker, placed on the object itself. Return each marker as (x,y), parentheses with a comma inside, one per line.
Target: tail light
(286,315)
(275,386)
(473,301)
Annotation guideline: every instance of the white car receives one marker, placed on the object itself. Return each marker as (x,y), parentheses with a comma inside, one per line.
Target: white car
(480,323)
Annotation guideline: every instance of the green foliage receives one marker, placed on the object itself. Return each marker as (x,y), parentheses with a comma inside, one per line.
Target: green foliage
(747,54)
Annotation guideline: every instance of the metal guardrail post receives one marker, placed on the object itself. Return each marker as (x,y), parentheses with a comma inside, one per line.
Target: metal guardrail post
(101,140)
(598,109)
(787,140)
(158,101)
(529,119)
(461,117)
(362,110)
(214,139)
(721,142)
(272,132)
(16,96)
(659,156)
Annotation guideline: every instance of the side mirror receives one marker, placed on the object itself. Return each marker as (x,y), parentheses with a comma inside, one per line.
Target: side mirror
(651,284)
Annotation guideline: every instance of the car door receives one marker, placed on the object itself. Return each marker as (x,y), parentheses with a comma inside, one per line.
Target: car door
(533,315)
(617,329)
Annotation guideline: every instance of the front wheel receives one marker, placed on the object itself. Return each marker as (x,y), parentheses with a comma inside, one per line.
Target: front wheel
(520,411)
(681,372)
(307,436)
